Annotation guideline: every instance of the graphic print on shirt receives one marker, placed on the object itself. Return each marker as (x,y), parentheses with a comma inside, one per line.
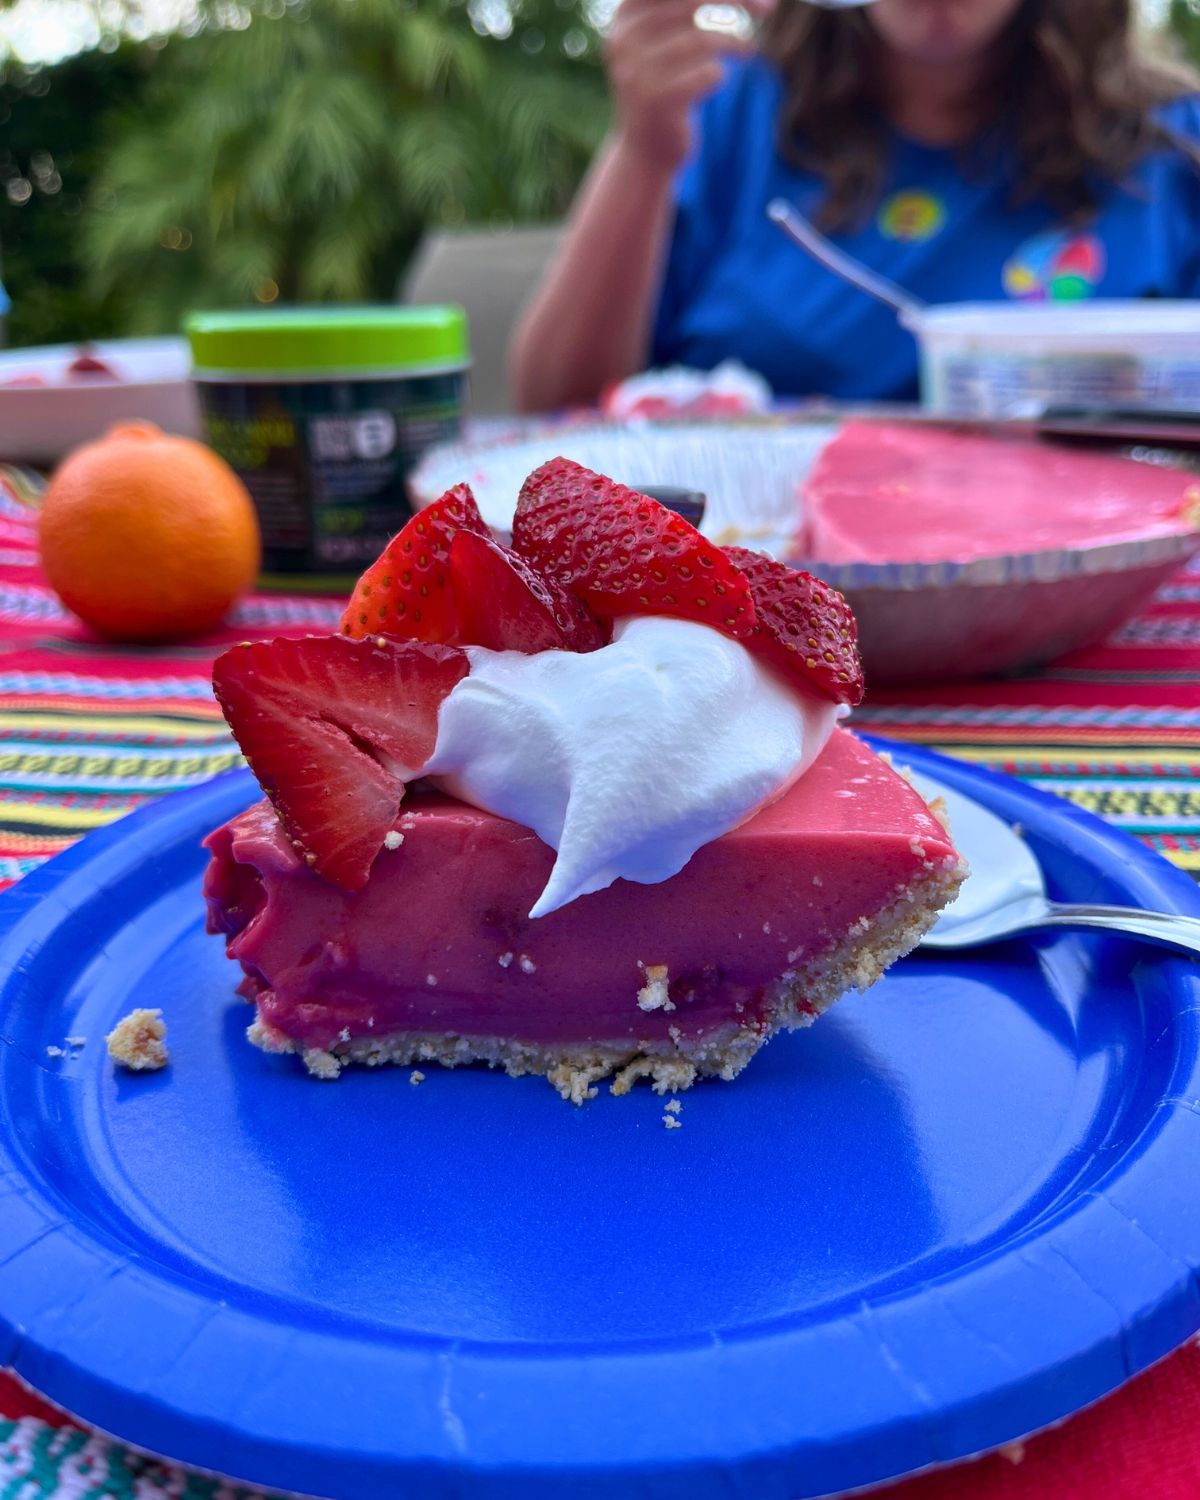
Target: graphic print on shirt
(1058,265)
(911,215)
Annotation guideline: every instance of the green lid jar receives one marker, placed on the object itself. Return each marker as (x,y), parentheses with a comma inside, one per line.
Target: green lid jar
(323,411)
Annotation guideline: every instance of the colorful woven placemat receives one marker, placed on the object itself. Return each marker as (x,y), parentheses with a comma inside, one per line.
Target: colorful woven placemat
(89,731)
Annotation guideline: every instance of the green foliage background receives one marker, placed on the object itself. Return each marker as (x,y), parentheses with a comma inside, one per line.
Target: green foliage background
(292,150)
(1183,18)
(57,120)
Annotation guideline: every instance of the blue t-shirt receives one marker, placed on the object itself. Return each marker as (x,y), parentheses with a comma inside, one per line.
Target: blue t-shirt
(735,287)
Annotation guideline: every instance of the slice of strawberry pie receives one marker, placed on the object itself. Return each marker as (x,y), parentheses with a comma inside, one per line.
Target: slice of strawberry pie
(580,807)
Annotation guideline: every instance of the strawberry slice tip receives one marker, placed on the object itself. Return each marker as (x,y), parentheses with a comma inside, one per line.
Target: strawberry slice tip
(504,605)
(803,627)
(406,592)
(623,553)
(334,729)
(443,579)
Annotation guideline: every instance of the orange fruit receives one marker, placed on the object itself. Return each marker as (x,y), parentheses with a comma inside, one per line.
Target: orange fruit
(146,536)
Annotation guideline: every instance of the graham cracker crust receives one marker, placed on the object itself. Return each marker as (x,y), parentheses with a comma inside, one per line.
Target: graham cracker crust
(139,1040)
(797,998)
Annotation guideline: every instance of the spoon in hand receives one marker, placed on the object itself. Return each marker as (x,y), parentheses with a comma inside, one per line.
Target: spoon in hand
(808,237)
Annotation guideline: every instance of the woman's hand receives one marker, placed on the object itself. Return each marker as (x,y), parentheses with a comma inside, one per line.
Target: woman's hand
(659,64)
(589,322)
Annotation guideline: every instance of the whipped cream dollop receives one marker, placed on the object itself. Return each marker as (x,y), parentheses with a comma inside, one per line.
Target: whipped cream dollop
(628,759)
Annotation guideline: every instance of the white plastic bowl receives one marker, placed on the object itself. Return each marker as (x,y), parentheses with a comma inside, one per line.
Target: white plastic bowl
(39,423)
(994,359)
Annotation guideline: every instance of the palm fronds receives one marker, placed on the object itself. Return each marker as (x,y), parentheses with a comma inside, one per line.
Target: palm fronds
(302,157)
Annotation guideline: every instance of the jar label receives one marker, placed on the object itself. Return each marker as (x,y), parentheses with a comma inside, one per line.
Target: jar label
(327,462)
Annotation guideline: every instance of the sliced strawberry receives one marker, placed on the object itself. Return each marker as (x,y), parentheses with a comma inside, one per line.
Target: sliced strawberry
(623,553)
(406,592)
(804,627)
(506,606)
(334,729)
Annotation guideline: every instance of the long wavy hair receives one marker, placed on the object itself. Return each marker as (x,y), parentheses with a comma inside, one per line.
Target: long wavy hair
(1068,88)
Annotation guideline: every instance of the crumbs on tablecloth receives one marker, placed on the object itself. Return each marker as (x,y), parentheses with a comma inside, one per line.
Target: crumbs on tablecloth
(139,1040)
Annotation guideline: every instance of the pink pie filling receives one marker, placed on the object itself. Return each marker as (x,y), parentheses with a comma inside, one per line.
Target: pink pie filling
(439,940)
(882,493)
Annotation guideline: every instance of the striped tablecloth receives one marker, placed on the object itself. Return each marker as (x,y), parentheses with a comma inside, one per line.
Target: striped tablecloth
(89,731)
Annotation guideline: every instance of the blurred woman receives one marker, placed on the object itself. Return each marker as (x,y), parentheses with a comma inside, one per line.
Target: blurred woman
(968,149)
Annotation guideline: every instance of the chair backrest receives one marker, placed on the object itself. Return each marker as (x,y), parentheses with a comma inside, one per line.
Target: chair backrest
(491,273)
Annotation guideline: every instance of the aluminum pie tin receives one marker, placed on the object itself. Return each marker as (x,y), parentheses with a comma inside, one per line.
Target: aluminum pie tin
(918,622)
(747,468)
(921,622)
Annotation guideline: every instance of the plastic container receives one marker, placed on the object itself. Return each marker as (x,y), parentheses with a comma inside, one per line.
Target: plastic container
(46,409)
(323,412)
(987,359)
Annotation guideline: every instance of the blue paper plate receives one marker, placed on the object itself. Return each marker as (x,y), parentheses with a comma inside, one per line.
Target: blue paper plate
(960,1207)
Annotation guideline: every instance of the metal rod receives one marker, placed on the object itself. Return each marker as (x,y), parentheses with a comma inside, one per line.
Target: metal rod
(910,308)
